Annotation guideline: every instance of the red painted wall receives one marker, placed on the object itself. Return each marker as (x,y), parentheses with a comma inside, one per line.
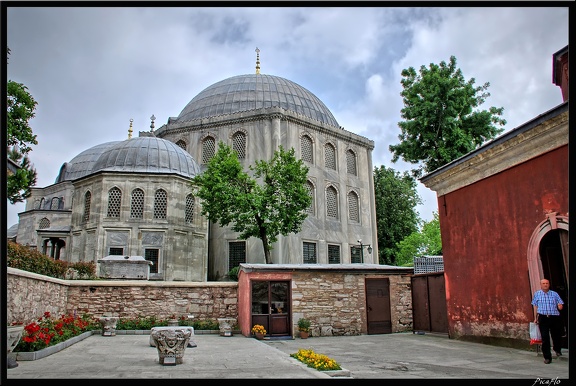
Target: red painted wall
(485,231)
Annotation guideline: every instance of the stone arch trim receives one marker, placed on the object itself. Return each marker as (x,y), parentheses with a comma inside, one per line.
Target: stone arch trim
(553,221)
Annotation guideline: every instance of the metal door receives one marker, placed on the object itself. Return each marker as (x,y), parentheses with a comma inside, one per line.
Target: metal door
(429,311)
(378,314)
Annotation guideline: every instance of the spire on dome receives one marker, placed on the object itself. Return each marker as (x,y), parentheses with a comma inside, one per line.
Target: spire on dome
(257,60)
(130,129)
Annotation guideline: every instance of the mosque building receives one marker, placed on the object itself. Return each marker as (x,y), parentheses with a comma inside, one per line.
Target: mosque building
(134,197)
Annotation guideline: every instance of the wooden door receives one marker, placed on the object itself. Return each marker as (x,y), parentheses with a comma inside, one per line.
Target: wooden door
(271,306)
(378,314)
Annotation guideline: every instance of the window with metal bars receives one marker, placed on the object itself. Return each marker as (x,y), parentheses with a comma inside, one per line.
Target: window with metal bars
(87,201)
(330,156)
(355,255)
(54,203)
(239,144)
(114,200)
(137,204)
(208,149)
(152,255)
(160,204)
(44,223)
(189,215)
(115,251)
(333,254)
(310,189)
(331,202)
(309,253)
(236,253)
(181,144)
(307,149)
(353,211)
(351,162)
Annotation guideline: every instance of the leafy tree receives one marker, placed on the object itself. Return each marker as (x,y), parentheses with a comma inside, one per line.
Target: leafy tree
(426,241)
(396,198)
(20,108)
(441,120)
(277,206)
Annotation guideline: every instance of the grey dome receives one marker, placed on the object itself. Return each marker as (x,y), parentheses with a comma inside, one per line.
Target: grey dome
(135,155)
(255,91)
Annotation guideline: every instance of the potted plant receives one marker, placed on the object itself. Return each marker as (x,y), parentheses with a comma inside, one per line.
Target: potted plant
(259,331)
(304,327)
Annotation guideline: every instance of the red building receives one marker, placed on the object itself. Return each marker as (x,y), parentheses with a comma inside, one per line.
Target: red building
(503,212)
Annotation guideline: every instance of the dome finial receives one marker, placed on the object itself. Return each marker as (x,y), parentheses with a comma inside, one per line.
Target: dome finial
(152,118)
(257,60)
(130,129)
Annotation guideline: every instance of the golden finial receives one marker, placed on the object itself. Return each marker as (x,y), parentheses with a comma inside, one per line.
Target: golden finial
(130,129)
(257,60)
(152,118)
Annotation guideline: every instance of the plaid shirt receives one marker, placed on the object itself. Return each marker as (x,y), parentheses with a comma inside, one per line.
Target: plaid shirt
(547,302)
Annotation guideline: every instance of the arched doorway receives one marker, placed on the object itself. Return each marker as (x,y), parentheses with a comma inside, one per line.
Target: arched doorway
(548,258)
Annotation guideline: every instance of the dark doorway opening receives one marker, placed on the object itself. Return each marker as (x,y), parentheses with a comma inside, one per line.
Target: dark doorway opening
(271,306)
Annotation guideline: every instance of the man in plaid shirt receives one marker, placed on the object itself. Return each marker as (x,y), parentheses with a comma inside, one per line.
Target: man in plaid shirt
(547,305)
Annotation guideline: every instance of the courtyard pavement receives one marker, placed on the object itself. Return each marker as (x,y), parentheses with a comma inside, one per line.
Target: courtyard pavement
(410,356)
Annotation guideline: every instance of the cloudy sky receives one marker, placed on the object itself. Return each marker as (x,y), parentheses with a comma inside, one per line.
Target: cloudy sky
(91,70)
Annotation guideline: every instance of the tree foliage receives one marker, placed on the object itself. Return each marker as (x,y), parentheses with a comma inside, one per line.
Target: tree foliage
(426,241)
(273,201)
(20,108)
(396,199)
(441,119)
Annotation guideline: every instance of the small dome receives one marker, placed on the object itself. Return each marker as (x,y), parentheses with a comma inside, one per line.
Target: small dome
(255,91)
(135,155)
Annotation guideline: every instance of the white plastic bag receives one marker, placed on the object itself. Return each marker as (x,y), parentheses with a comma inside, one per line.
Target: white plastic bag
(535,337)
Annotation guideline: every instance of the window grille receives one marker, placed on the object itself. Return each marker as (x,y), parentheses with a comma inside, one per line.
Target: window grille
(309,253)
(307,149)
(37,204)
(189,216)
(239,144)
(331,202)
(236,253)
(333,254)
(114,251)
(152,255)
(87,201)
(44,223)
(54,203)
(160,204)
(330,156)
(208,149)
(137,204)
(181,144)
(351,162)
(353,211)
(310,189)
(356,255)
(114,199)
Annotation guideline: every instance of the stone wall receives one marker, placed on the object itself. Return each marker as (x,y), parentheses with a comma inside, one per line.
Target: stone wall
(335,302)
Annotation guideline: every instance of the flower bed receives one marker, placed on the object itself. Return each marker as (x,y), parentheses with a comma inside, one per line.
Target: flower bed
(316,361)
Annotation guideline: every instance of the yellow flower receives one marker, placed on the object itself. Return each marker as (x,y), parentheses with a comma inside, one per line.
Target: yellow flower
(258,329)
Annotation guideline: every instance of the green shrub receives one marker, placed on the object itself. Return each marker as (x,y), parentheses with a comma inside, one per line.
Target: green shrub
(233,273)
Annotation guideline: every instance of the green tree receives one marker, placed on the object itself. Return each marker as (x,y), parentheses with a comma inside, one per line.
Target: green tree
(20,108)
(273,201)
(426,241)
(396,199)
(441,119)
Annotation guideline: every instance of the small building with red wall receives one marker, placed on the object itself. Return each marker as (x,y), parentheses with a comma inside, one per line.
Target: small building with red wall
(504,217)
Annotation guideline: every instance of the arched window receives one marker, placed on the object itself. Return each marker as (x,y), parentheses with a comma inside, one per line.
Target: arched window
(54,203)
(351,162)
(137,204)
(307,149)
(44,223)
(353,207)
(37,204)
(331,202)
(189,216)
(87,200)
(160,204)
(330,156)
(181,144)
(310,188)
(208,149)
(114,200)
(239,144)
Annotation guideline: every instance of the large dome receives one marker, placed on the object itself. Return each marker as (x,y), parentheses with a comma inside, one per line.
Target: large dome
(255,91)
(136,155)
